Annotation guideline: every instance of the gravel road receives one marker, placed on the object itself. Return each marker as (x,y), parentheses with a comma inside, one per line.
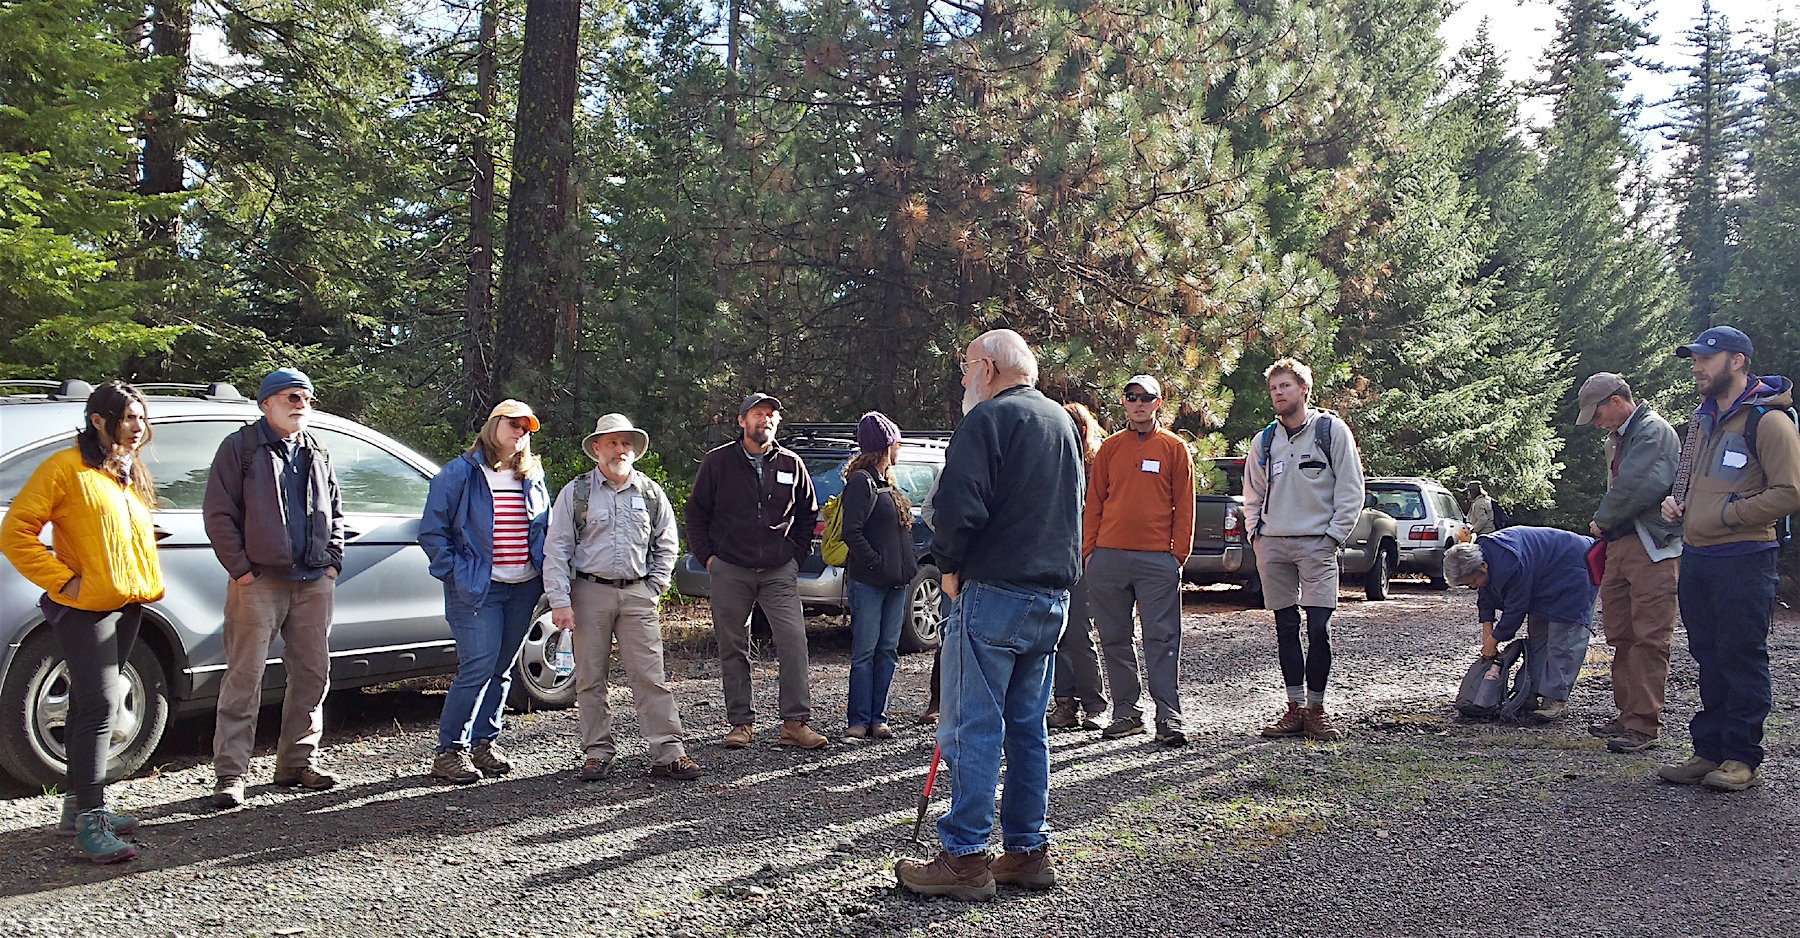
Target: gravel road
(1416,825)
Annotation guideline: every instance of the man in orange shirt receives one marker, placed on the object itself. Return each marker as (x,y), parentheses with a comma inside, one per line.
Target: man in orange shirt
(1136,531)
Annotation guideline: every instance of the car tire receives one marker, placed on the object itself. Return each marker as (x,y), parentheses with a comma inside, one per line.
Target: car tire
(535,683)
(34,700)
(1379,577)
(1253,594)
(922,628)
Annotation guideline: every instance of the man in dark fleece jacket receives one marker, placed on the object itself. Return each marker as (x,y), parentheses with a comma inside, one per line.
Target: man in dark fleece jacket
(1007,537)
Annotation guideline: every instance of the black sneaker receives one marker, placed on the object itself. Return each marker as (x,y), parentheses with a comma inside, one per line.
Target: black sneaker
(1123,726)
(1168,735)
(1629,741)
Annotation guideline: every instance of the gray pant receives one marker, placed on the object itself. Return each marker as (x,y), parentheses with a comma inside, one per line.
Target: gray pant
(1077,664)
(1116,580)
(735,590)
(1555,652)
(300,612)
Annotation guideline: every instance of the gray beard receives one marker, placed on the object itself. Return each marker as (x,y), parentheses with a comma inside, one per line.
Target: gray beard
(971,397)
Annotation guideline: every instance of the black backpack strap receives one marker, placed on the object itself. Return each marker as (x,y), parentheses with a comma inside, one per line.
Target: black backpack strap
(1322,435)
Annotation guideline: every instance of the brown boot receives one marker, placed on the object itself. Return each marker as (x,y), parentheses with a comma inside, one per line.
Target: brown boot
(740,736)
(797,733)
(1318,725)
(1063,716)
(1030,868)
(957,877)
(1291,723)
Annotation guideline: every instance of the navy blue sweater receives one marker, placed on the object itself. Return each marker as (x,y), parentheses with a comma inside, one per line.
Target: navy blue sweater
(1008,506)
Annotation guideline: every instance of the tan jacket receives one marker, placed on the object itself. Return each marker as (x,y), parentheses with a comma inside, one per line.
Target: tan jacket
(1733,494)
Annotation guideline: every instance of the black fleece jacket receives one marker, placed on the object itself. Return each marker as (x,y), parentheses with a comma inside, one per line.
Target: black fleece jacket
(751,523)
(881,551)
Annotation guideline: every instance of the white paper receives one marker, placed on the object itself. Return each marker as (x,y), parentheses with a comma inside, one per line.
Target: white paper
(637,503)
(1278,468)
(785,478)
(1735,460)
(1152,465)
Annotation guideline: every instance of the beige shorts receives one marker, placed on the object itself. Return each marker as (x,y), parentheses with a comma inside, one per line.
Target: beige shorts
(1298,571)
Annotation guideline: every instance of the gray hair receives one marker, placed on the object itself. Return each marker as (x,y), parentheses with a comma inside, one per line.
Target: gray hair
(1010,353)
(1462,561)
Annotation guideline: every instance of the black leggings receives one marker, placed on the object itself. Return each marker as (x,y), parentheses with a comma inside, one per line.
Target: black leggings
(94,646)
(1313,666)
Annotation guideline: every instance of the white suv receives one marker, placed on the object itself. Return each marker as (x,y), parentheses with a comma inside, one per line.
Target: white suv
(1427,520)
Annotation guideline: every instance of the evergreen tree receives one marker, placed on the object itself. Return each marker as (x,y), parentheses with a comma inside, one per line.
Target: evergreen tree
(1762,296)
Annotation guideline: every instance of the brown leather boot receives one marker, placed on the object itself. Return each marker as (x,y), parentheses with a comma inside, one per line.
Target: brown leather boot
(1291,723)
(1063,716)
(1319,726)
(1029,868)
(797,733)
(957,877)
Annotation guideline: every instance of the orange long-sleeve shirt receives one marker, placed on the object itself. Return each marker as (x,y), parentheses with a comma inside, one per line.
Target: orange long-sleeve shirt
(1140,495)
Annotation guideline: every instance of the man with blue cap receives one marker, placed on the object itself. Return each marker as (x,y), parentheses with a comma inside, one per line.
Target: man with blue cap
(1738,479)
(276,523)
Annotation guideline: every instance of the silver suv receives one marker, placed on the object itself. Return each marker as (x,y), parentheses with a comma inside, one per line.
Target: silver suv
(389,613)
(1427,518)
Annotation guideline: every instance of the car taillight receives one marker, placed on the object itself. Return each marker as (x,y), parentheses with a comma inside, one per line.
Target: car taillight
(1422,532)
(1234,526)
(819,528)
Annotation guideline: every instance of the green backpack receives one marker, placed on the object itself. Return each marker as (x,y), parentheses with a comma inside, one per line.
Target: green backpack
(834,550)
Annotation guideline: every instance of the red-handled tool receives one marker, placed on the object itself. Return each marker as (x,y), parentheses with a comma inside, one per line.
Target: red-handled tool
(925,796)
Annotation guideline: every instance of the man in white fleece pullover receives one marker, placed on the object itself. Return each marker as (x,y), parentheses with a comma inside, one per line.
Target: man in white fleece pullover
(1303,493)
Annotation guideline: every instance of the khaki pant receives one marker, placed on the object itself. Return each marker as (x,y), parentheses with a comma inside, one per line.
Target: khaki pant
(1637,611)
(300,612)
(602,614)
(1298,571)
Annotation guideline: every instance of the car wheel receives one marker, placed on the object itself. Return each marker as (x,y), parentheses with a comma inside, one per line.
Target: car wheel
(1437,581)
(35,700)
(1253,590)
(535,683)
(1376,581)
(923,627)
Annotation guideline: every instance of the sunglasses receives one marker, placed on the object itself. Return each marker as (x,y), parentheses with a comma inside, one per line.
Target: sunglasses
(520,423)
(1137,397)
(298,397)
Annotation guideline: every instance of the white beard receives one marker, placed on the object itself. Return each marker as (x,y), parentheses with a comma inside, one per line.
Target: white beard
(971,397)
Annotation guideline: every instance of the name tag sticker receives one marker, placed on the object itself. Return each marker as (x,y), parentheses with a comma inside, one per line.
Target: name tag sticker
(1735,459)
(637,503)
(1152,465)
(785,478)
(1277,469)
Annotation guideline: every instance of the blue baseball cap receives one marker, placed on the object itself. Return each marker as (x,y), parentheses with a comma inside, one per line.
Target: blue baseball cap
(1717,339)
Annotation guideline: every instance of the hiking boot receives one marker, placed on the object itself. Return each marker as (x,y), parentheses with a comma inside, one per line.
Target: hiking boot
(1168,735)
(1290,723)
(797,733)
(881,731)
(1091,721)
(228,792)
(1123,726)
(1731,775)
(740,736)
(455,766)
(97,840)
(597,768)
(856,734)
(682,769)
(1629,741)
(1063,715)
(121,823)
(1609,729)
(965,878)
(490,758)
(309,777)
(1547,711)
(1687,773)
(1029,868)
(1318,726)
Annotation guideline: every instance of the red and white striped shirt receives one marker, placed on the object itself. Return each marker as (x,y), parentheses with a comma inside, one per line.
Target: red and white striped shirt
(512,528)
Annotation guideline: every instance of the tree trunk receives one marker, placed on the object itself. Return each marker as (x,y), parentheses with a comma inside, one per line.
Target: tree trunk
(536,288)
(722,264)
(907,217)
(171,31)
(478,307)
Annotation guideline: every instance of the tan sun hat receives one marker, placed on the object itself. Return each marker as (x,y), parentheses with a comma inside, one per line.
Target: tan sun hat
(512,408)
(614,423)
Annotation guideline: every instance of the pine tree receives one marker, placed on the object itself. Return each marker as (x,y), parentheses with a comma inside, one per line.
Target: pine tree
(1762,296)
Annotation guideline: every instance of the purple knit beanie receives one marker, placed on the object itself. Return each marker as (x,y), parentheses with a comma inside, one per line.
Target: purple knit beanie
(875,432)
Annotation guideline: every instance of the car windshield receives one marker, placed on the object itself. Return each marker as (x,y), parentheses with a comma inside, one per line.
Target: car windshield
(828,477)
(1400,504)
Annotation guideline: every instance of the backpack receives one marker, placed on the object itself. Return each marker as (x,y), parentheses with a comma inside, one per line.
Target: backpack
(1321,435)
(1784,526)
(833,550)
(583,487)
(1502,517)
(1490,690)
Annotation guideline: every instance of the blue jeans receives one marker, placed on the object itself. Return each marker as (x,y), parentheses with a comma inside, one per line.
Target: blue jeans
(487,640)
(875,616)
(998,643)
(1726,605)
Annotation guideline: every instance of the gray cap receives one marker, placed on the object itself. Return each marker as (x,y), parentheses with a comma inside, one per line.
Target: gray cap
(758,398)
(1597,389)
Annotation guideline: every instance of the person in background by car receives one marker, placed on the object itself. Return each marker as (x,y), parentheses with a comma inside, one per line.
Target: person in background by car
(1738,485)
(1538,578)
(750,522)
(1008,538)
(483,532)
(608,559)
(96,496)
(1481,510)
(1300,505)
(877,526)
(1077,680)
(1643,557)
(276,523)
(1136,532)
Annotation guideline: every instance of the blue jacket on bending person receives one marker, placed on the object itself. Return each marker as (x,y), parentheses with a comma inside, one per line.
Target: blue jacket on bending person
(1535,571)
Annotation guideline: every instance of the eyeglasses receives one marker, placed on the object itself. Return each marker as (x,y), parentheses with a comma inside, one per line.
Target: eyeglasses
(298,397)
(1137,397)
(970,361)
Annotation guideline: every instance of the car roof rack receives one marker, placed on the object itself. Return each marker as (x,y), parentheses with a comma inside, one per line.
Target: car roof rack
(846,433)
(74,389)
(216,391)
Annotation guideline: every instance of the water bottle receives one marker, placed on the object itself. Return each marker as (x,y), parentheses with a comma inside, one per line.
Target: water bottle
(565,657)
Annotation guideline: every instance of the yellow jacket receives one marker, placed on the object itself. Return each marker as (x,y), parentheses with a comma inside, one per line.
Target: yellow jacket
(101,529)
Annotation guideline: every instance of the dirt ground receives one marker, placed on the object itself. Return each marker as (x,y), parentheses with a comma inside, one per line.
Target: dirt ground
(1418,824)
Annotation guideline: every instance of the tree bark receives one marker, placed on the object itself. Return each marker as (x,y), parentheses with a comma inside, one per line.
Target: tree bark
(536,286)
(478,307)
(907,216)
(171,35)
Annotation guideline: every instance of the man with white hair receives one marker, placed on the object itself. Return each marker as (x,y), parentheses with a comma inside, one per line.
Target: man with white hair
(1007,536)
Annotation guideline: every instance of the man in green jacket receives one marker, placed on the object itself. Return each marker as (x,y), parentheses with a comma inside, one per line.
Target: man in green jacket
(1643,557)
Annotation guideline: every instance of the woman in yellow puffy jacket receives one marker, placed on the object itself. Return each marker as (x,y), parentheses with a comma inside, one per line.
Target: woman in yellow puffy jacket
(96,497)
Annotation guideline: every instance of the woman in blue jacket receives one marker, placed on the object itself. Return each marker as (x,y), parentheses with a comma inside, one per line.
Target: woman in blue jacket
(1538,578)
(483,531)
